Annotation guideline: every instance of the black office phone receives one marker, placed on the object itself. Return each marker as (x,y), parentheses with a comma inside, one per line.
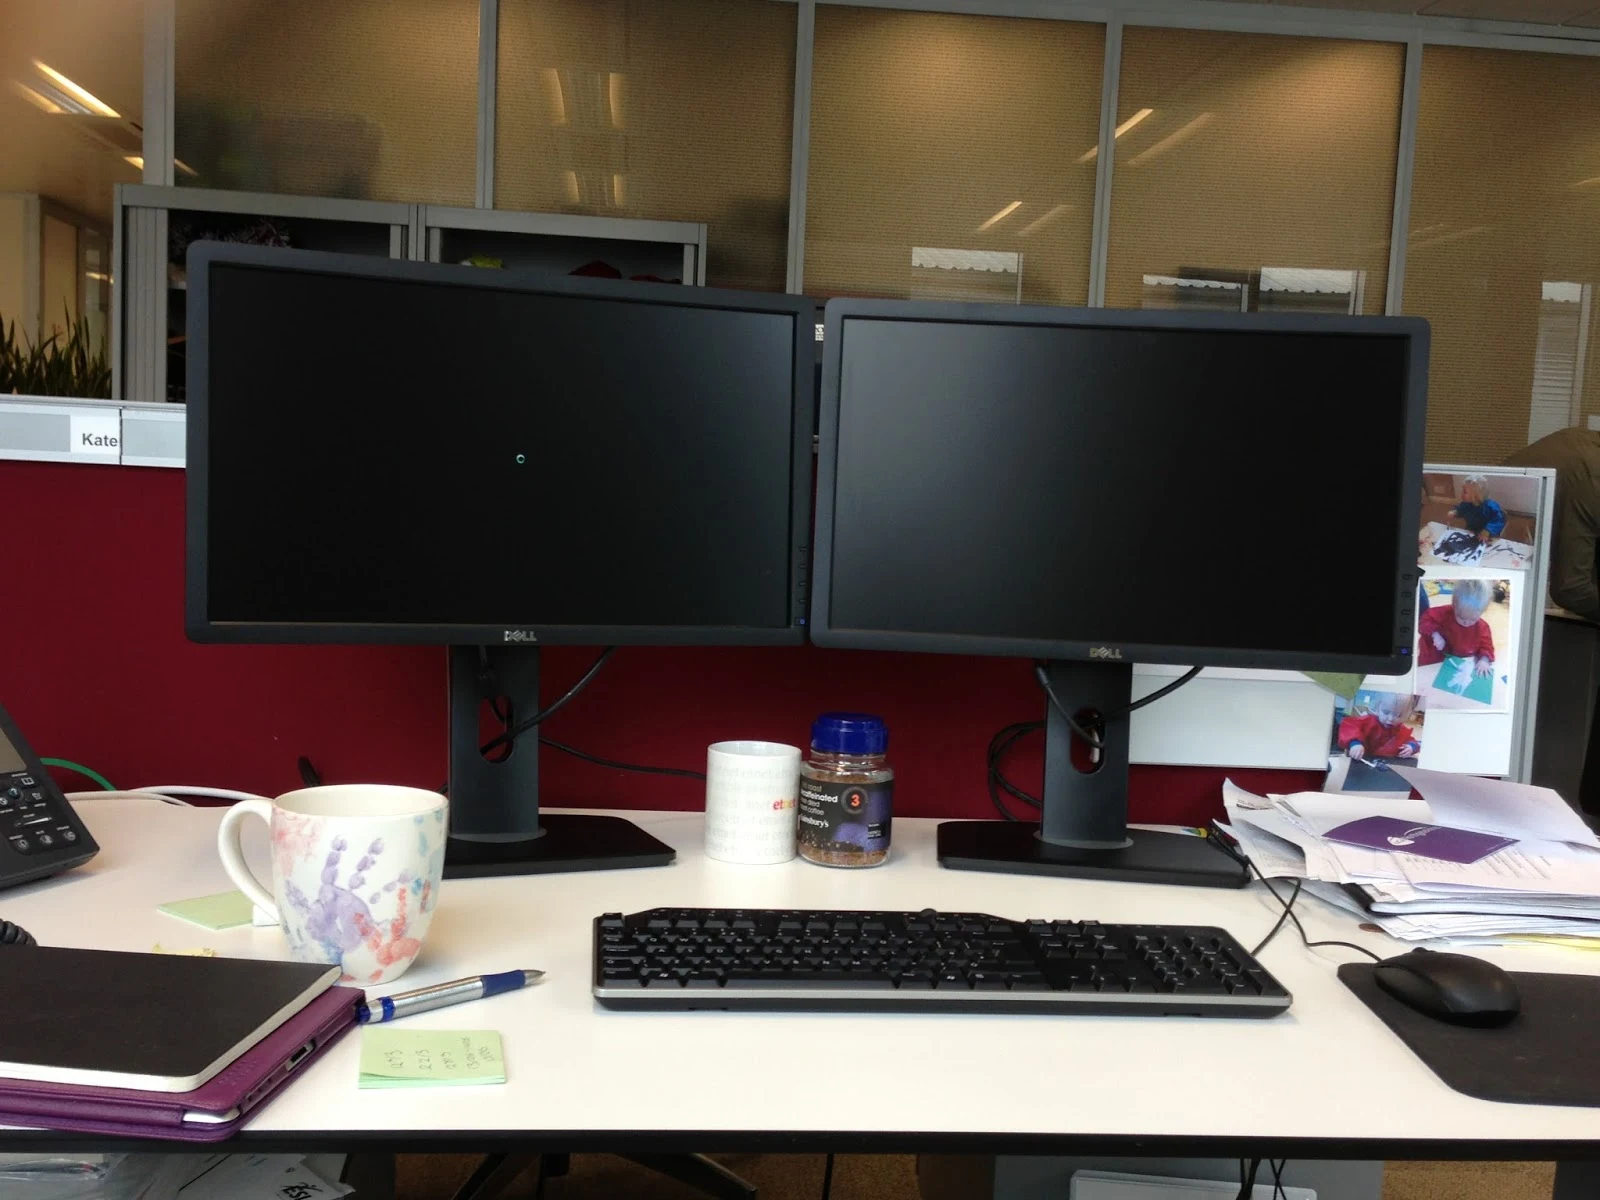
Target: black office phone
(39,832)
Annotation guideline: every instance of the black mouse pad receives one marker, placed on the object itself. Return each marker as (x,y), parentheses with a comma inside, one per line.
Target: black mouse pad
(1548,1054)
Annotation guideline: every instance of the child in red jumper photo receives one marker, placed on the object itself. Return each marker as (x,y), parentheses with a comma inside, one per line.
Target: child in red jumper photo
(1381,731)
(1458,628)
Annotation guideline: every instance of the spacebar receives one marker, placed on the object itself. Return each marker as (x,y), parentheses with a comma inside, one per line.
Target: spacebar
(815,981)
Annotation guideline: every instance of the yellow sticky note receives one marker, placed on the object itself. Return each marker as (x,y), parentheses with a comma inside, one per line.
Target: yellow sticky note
(401,1058)
(225,910)
(191,952)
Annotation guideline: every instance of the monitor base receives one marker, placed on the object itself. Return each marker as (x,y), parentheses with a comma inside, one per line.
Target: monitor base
(1014,848)
(571,842)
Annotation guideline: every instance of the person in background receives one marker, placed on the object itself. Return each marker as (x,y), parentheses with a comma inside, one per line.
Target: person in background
(1379,732)
(1575,455)
(1482,516)
(1458,629)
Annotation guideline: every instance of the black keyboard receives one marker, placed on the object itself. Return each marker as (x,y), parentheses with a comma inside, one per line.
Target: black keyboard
(808,960)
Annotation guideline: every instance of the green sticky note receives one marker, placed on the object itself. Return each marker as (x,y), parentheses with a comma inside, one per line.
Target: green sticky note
(225,910)
(1336,682)
(403,1058)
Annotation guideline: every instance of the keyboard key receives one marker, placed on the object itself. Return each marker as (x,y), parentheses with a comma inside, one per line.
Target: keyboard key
(612,921)
(953,979)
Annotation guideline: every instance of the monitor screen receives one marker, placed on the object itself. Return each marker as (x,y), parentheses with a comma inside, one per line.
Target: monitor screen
(406,452)
(1241,491)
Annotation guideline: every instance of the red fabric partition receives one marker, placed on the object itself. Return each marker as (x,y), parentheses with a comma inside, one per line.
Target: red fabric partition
(95,667)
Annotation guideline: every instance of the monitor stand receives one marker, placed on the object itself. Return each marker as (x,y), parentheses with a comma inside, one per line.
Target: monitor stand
(1084,832)
(495,824)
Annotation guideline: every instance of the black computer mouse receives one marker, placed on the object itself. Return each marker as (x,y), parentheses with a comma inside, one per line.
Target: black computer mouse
(1450,987)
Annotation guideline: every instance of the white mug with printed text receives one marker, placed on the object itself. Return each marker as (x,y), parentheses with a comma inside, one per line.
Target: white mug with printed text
(355,873)
(751,792)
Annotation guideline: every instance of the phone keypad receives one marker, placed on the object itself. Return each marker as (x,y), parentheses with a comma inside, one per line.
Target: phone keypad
(31,820)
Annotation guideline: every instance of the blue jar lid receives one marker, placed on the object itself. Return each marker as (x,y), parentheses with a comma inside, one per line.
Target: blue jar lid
(849,733)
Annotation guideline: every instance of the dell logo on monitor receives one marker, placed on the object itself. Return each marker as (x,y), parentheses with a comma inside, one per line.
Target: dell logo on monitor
(1105,652)
(520,635)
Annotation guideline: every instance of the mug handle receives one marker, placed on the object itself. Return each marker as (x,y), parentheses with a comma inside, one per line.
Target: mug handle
(233,858)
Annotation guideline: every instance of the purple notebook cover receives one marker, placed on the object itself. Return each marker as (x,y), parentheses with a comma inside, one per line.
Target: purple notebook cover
(1443,842)
(251,1081)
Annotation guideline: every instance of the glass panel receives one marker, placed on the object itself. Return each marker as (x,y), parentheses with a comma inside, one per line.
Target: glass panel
(1504,247)
(1253,172)
(94,263)
(368,99)
(59,263)
(70,130)
(635,108)
(952,156)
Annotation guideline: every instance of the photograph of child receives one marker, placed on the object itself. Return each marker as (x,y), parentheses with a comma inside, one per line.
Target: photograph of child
(1477,520)
(1371,732)
(1380,725)
(1459,636)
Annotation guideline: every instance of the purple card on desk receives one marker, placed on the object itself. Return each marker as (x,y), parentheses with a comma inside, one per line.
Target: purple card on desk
(1428,841)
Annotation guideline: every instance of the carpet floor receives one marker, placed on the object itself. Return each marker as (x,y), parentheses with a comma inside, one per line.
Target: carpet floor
(893,1177)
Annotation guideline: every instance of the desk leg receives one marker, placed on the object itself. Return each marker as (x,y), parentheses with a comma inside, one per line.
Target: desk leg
(494,1174)
(697,1171)
(371,1175)
(1576,1181)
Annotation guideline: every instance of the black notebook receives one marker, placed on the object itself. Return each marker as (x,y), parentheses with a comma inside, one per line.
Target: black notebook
(160,1022)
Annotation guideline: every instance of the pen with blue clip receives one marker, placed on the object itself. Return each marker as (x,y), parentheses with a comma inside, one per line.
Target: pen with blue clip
(442,995)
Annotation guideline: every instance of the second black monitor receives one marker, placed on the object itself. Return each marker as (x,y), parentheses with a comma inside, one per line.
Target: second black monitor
(1218,489)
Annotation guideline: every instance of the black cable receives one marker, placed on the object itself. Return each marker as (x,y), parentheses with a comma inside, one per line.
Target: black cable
(15,935)
(1043,676)
(618,766)
(513,732)
(827,1179)
(1288,911)
(1247,1179)
(1095,739)
(1157,694)
(1304,937)
(999,746)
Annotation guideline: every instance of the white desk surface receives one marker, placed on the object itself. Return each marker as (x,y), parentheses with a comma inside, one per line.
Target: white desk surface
(1327,1076)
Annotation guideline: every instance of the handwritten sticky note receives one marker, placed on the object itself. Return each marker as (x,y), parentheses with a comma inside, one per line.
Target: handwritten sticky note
(401,1058)
(225,910)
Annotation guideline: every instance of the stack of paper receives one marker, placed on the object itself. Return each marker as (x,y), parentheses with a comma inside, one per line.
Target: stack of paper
(1474,860)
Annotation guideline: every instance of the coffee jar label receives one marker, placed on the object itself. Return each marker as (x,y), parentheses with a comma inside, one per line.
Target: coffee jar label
(844,819)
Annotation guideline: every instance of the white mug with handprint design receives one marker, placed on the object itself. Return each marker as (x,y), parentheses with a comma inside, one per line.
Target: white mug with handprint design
(355,872)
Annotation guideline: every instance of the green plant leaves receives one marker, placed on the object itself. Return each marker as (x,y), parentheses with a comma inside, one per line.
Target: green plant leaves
(70,362)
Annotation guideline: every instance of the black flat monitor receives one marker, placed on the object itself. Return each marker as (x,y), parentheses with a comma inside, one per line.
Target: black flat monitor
(1093,488)
(494,460)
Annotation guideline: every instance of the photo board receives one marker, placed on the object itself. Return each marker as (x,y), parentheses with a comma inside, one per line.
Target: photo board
(1466,719)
